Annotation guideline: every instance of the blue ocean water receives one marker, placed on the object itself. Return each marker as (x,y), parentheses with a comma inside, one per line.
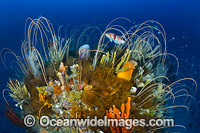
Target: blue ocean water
(180,19)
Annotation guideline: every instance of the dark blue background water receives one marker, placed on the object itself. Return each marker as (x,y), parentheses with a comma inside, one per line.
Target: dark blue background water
(180,18)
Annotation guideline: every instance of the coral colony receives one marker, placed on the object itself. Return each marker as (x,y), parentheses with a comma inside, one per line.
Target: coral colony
(117,73)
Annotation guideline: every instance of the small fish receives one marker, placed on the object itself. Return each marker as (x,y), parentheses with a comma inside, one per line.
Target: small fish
(62,68)
(49,44)
(115,38)
(84,52)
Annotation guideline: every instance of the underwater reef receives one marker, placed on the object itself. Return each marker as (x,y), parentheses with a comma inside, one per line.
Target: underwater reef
(117,72)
